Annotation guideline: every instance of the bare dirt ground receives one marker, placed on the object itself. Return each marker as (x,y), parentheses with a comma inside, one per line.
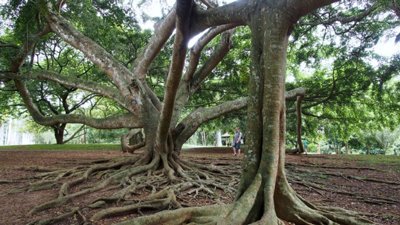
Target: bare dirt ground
(371,190)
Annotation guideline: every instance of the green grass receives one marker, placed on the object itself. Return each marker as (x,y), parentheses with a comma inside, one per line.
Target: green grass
(374,159)
(365,160)
(65,147)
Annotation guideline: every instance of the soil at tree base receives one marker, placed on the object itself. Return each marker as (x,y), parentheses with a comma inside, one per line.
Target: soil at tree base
(372,190)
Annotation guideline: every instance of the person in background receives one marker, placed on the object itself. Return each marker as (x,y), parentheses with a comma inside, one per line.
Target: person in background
(236,141)
(305,146)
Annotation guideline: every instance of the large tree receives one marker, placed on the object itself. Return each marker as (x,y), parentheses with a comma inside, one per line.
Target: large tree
(264,195)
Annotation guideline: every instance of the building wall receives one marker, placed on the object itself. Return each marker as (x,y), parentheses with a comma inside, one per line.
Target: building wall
(11,133)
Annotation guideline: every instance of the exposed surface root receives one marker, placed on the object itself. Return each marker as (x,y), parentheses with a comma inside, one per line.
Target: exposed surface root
(190,216)
(130,187)
(56,219)
(334,167)
(293,208)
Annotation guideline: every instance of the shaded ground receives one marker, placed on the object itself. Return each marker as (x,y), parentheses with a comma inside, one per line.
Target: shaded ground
(369,187)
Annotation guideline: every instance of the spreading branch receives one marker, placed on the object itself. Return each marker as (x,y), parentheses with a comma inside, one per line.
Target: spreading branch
(70,81)
(162,32)
(202,115)
(117,72)
(217,56)
(122,121)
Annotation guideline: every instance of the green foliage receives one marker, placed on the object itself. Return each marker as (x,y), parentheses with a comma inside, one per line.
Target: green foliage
(103,136)
(346,93)
(228,81)
(349,88)
(108,23)
(66,147)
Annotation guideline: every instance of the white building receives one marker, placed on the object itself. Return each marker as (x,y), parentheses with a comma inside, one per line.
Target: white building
(11,133)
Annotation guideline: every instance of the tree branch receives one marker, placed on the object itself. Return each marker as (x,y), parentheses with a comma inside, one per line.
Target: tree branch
(303,7)
(74,134)
(112,122)
(233,13)
(185,87)
(199,46)
(345,19)
(117,72)
(191,122)
(292,94)
(69,81)
(202,115)
(396,8)
(217,56)
(162,32)
(183,16)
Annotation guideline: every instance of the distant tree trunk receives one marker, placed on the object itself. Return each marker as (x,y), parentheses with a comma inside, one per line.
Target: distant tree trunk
(347,149)
(218,138)
(299,123)
(59,131)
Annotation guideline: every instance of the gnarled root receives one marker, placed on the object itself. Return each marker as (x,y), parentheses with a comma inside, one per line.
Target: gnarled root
(293,208)
(190,216)
(137,186)
(161,200)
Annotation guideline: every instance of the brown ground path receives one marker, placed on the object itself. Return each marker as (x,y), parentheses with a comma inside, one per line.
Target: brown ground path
(372,190)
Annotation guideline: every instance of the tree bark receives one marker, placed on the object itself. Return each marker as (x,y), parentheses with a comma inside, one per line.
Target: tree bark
(299,123)
(59,133)
(265,140)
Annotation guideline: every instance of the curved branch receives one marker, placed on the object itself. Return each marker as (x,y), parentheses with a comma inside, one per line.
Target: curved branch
(45,100)
(202,115)
(92,87)
(303,7)
(7,45)
(213,61)
(344,19)
(233,13)
(117,72)
(199,46)
(27,48)
(185,87)
(162,32)
(74,135)
(292,94)
(121,121)
(189,124)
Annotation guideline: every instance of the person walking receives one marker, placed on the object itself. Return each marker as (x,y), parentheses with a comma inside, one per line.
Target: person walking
(236,141)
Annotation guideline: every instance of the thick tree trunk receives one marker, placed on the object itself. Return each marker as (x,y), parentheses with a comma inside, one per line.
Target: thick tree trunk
(265,138)
(59,137)
(265,196)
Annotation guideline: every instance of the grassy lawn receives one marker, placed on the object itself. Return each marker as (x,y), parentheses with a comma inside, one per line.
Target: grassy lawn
(371,159)
(66,147)
(366,160)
